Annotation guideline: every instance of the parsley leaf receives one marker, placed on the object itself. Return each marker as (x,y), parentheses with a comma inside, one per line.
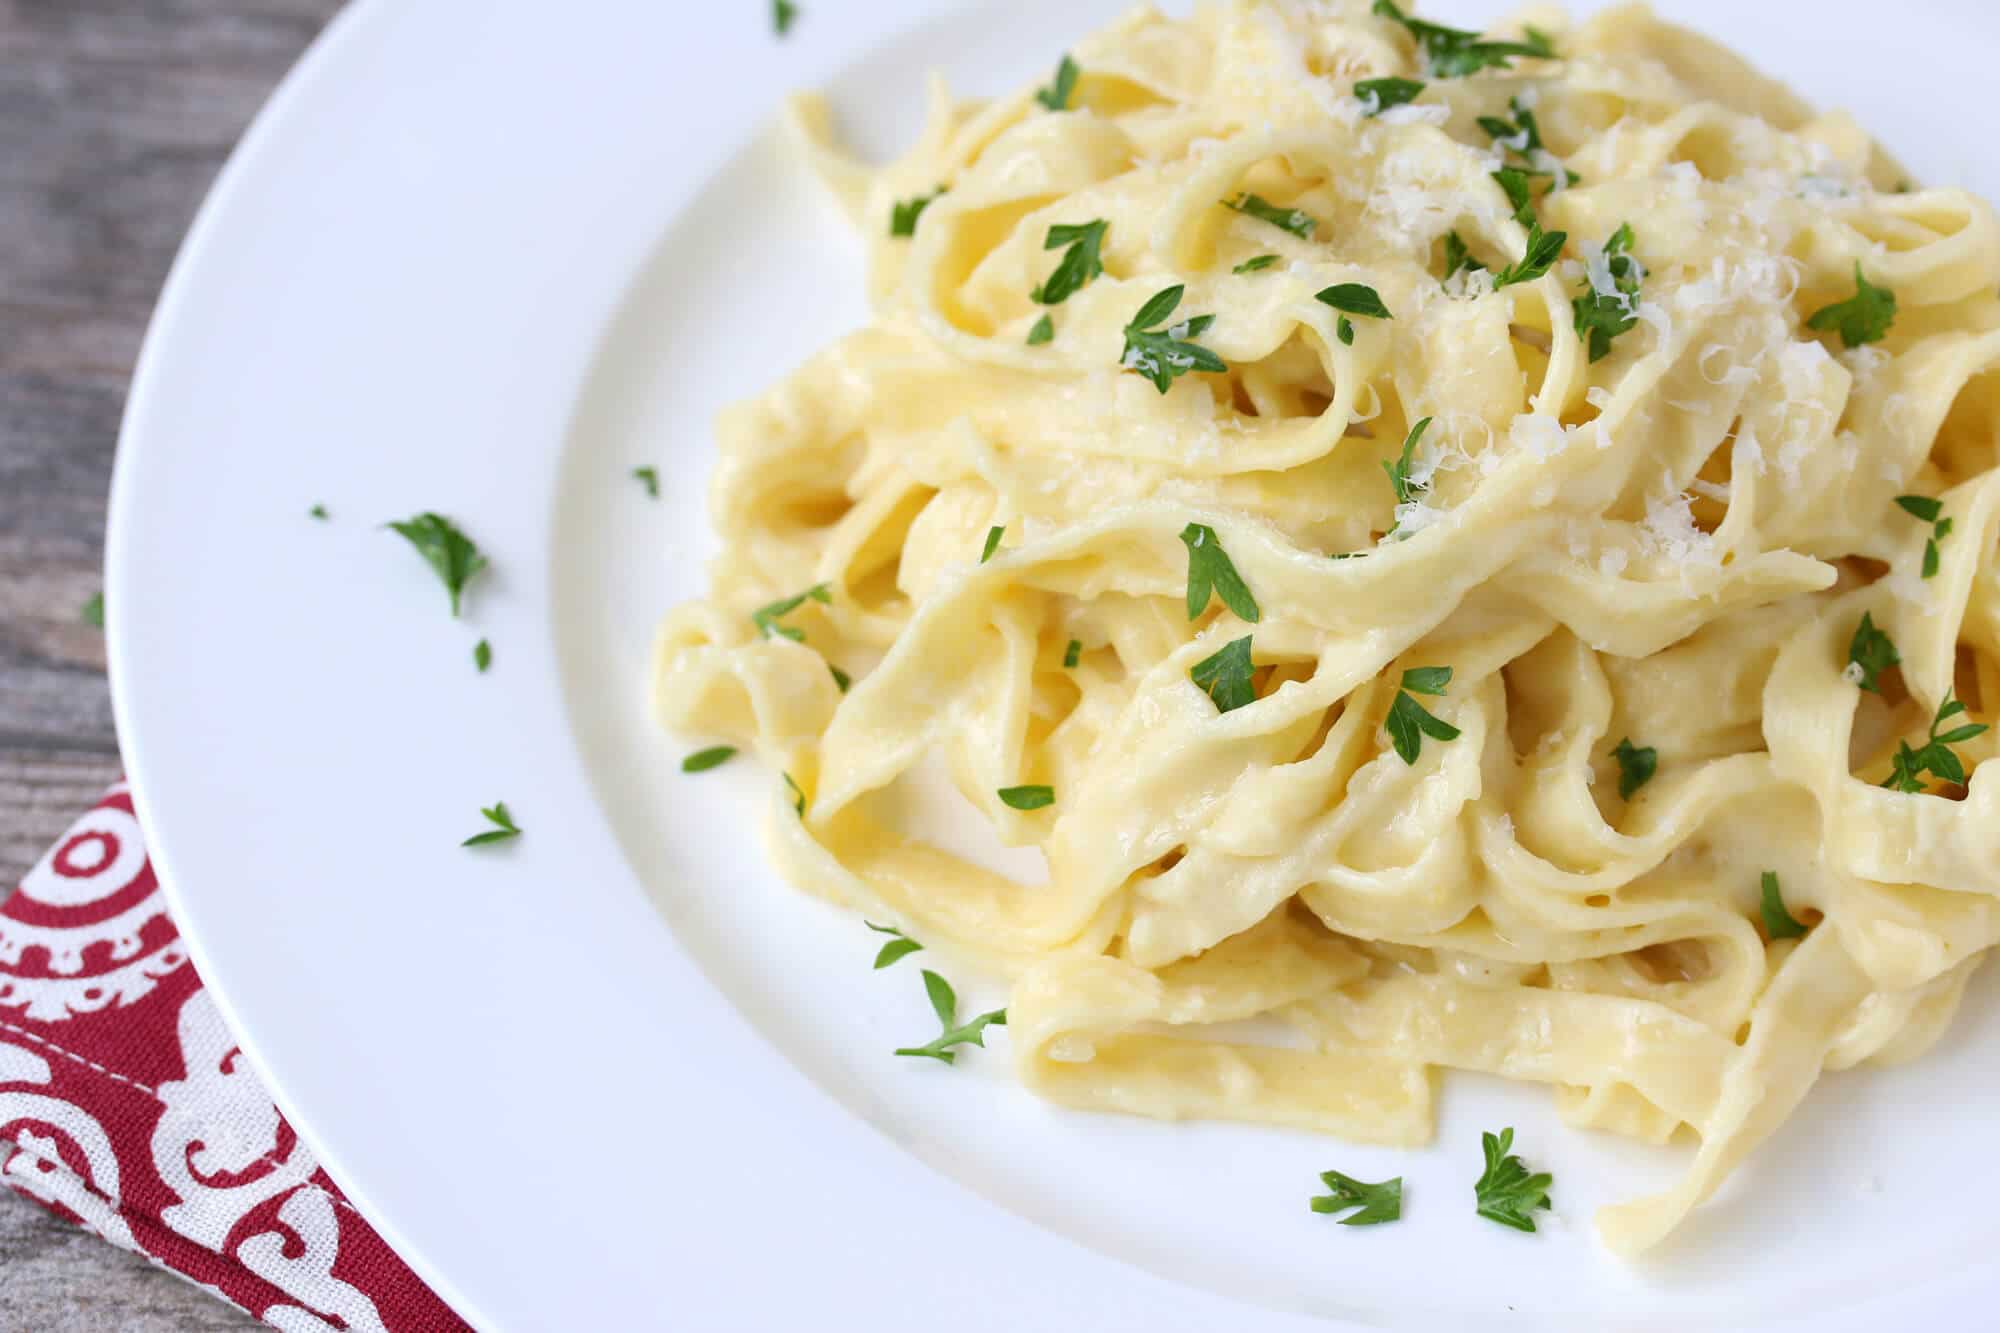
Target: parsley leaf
(1080,262)
(1056,96)
(1636,766)
(1072,653)
(92,611)
(1520,135)
(1778,923)
(903,216)
(1224,676)
(482,654)
(1543,250)
(1505,1192)
(1044,329)
(1935,756)
(503,826)
(1927,509)
(1602,316)
(1863,317)
(317,511)
(783,14)
(1378,95)
(841,680)
(1377,1203)
(649,477)
(1516,185)
(1255,265)
(945,1003)
(1454,52)
(798,797)
(1209,567)
(445,549)
(1165,354)
(1869,653)
(897,949)
(1457,256)
(766,618)
(703,760)
(1409,721)
(1354,298)
(993,535)
(1027,798)
(1399,471)
(1298,223)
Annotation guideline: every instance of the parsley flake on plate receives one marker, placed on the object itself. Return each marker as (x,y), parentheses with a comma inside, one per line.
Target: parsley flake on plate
(482,655)
(783,14)
(445,549)
(897,949)
(945,1004)
(1382,1202)
(649,477)
(1506,1193)
(503,826)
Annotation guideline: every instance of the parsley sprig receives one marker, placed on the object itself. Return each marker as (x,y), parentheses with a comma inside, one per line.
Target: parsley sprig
(1602,316)
(1080,262)
(1869,653)
(1506,1192)
(1636,765)
(1056,96)
(1382,1202)
(1352,298)
(1211,570)
(502,830)
(1399,471)
(1543,249)
(1779,924)
(1928,509)
(1163,355)
(945,1002)
(1934,756)
(1863,317)
(1378,95)
(1453,53)
(766,618)
(445,549)
(1225,676)
(1409,721)
(896,949)
(905,212)
(1296,221)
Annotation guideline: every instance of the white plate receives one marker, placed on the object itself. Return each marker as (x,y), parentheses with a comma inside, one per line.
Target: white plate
(485,257)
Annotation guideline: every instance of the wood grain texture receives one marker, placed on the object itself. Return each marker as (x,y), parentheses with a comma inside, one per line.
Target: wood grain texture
(114,117)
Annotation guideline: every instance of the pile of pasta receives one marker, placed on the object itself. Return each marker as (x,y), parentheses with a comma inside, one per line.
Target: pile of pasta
(1663,546)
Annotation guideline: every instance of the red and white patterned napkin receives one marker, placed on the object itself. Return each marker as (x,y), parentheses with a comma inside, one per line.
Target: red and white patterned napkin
(126,1106)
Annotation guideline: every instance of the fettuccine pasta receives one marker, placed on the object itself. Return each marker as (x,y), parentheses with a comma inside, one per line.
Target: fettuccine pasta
(1586,465)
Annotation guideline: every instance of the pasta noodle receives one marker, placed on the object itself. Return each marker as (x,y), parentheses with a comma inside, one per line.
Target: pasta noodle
(1646,564)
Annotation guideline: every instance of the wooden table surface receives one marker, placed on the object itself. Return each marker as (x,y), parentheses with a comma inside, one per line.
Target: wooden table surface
(114,117)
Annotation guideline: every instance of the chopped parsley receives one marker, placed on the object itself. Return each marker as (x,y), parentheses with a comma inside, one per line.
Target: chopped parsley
(841,680)
(1927,509)
(1636,766)
(766,618)
(897,949)
(649,477)
(703,760)
(1399,471)
(1255,265)
(1378,95)
(1298,223)
(1073,653)
(783,14)
(1935,757)
(1520,135)
(447,550)
(1056,96)
(1457,256)
(798,797)
(1518,186)
(1505,1192)
(1210,568)
(945,1003)
(482,654)
(993,535)
(1354,298)
(1163,355)
(1543,250)
(1080,262)
(1027,798)
(1225,676)
(92,611)
(1863,317)
(317,511)
(1409,721)
(502,830)
(1869,653)
(903,216)
(1602,316)
(1779,924)
(1044,329)
(1453,53)
(1381,1202)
